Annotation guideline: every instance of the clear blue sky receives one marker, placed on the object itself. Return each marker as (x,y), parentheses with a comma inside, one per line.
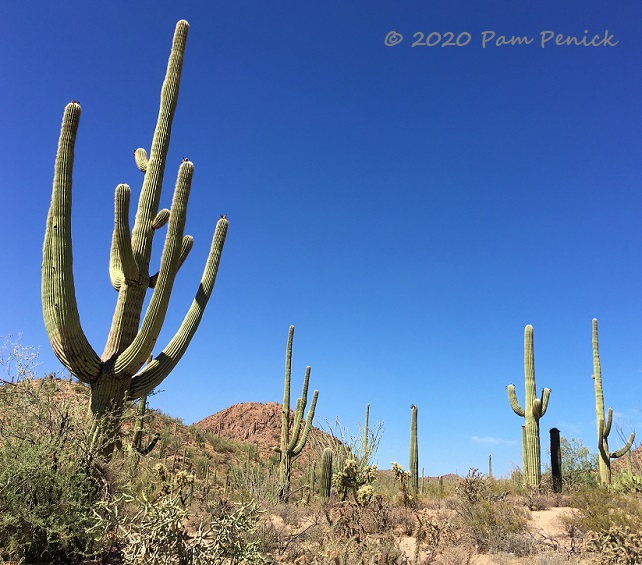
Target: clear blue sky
(408,209)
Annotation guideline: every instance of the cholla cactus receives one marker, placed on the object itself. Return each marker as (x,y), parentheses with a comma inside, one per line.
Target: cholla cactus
(117,374)
(604,425)
(533,410)
(292,445)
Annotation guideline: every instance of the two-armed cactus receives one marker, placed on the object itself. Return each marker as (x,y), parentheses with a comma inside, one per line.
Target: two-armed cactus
(293,443)
(604,425)
(533,410)
(117,373)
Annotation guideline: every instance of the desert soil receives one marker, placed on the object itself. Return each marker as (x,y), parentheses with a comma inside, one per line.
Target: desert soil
(544,525)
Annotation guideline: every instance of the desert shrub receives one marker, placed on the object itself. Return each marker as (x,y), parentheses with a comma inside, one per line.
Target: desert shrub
(434,535)
(49,478)
(46,498)
(489,521)
(222,444)
(455,555)
(156,526)
(609,523)
(627,483)
(599,510)
(360,534)
(620,545)
(250,481)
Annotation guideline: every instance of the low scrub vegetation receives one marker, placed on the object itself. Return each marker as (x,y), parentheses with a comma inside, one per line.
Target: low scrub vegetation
(198,498)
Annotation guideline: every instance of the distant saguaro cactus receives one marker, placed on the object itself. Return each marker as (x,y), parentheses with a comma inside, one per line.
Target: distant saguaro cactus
(292,445)
(326,473)
(414,455)
(533,410)
(604,425)
(366,431)
(117,373)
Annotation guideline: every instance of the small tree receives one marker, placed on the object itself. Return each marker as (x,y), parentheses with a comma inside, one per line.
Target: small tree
(579,465)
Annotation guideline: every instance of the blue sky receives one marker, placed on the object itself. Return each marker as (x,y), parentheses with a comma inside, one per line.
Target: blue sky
(408,209)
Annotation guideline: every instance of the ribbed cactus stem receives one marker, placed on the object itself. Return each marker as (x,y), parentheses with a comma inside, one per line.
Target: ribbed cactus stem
(117,373)
(414,456)
(326,474)
(534,409)
(137,441)
(313,477)
(366,431)
(293,440)
(604,424)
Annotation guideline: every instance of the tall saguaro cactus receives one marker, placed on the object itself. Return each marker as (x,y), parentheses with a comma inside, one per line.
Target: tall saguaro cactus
(604,425)
(117,373)
(533,410)
(414,455)
(293,443)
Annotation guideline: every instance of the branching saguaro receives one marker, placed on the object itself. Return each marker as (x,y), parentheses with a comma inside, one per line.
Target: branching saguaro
(293,443)
(533,410)
(117,373)
(604,424)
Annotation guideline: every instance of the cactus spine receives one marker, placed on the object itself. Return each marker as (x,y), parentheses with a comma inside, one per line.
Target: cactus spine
(533,410)
(414,456)
(117,373)
(291,446)
(326,473)
(604,425)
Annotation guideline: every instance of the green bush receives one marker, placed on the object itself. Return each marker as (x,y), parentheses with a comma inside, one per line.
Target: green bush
(49,480)
(599,510)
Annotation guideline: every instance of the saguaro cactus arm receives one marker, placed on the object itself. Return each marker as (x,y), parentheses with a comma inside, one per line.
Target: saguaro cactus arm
(155,166)
(617,454)
(154,373)
(130,360)
(285,407)
(59,307)
(301,403)
(514,402)
(541,404)
(296,450)
(122,264)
